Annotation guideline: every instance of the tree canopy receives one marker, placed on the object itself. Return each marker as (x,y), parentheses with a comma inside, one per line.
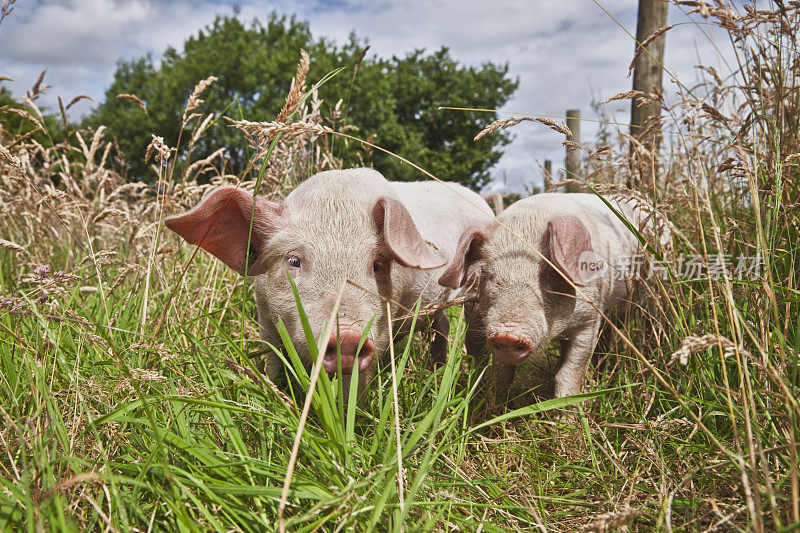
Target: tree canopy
(395,99)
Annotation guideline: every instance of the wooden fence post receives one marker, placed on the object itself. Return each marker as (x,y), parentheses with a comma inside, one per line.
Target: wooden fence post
(548,175)
(647,75)
(573,160)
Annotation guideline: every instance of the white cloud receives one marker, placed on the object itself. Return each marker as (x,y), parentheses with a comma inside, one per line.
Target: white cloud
(80,41)
(565,53)
(94,29)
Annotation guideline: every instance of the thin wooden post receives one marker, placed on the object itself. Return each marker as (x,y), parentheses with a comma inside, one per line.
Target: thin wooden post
(495,199)
(647,77)
(573,160)
(548,175)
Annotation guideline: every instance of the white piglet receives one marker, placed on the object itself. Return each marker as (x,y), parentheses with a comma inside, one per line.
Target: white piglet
(524,303)
(389,239)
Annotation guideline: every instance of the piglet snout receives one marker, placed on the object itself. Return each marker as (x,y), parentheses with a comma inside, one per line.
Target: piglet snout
(348,341)
(510,348)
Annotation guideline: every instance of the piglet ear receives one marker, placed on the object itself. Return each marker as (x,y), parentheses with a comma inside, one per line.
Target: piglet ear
(401,236)
(467,252)
(571,250)
(220,224)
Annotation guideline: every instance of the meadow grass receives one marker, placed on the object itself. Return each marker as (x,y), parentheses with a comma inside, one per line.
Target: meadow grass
(131,384)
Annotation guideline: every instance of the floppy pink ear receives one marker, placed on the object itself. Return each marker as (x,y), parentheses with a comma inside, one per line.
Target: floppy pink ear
(220,224)
(401,235)
(467,252)
(571,250)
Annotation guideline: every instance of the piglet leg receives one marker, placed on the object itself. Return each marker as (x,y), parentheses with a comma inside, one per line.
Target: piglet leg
(576,351)
(475,336)
(499,377)
(441,328)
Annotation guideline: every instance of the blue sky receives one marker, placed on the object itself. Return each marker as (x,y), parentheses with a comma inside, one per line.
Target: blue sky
(566,53)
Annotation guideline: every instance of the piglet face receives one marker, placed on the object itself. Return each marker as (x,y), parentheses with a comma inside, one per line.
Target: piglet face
(525,287)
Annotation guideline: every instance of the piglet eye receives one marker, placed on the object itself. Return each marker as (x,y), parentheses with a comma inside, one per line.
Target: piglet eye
(378,267)
(294,262)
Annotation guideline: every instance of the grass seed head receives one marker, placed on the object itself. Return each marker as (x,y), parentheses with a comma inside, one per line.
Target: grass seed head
(297,89)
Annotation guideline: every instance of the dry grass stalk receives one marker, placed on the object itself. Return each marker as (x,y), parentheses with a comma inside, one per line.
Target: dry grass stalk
(63,113)
(638,148)
(194,100)
(295,157)
(360,58)
(138,374)
(6,8)
(563,184)
(68,483)
(143,374)
(643,45)
(692,345)
(613,521)
(158,148)
(78,99)
(726,18)
(14,160)
(513,121)
(396,409)
(622,96)
(192,104)
(24,114)
(28,101)
(38,87)
(306,408)
(199,130)
(12,304)
(201,165)
(711,71)
(266,131)
(500,125)
(602,150)
(560,127)
(432,308)
(713,113)
(107,212)
(13,246)
(297,90)
(135,99)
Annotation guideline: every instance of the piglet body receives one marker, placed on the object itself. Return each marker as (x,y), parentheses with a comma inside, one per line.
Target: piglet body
(390,240)
(524,303)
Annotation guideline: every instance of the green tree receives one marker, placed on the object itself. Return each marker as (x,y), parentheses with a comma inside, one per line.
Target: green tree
(395,99)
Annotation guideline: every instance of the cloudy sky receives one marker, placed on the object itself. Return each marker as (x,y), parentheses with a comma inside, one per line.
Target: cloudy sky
(566,53)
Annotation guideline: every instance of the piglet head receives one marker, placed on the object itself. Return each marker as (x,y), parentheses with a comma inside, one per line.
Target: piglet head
(519,293)
(320,239)
(396,239)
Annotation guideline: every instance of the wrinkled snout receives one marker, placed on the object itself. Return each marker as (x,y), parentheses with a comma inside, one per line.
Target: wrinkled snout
(348,341)
(510,347)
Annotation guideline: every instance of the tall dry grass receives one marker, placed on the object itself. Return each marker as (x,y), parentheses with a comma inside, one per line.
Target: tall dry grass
(131,392)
